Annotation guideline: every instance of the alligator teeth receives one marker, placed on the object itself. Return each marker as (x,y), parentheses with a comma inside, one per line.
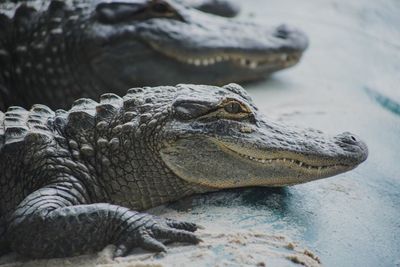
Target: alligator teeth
(243,61)
(298,163)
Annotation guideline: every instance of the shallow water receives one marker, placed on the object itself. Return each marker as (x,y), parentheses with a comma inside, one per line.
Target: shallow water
(347,81)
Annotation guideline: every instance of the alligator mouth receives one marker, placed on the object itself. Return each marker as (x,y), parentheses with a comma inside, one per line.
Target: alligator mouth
(266,61)
(318,169)
(280,59)
(220,164)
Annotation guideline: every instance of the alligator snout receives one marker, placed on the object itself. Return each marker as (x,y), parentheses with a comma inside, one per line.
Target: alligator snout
(282,31)
(356,148)
(294,38)
(349,138)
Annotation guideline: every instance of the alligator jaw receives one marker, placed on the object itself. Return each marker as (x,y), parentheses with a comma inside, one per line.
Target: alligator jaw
(231,45)
(261,62)
(197,48)
(218,164)
(313,170)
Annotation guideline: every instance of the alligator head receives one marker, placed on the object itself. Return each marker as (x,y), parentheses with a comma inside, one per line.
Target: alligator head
(160,42)
(168,142)
(217,138)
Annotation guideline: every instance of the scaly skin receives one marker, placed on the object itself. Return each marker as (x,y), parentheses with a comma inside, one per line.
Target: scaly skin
(68,50)
(79,177)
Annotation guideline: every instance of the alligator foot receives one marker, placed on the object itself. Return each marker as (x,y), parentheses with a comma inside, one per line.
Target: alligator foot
(64,227)
(148,235)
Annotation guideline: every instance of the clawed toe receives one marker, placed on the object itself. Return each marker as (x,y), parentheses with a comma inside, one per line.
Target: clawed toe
(175,235)
(150,243)
(153,231)
(188,226)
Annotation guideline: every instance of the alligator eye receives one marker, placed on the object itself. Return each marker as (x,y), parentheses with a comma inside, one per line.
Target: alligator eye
(233,107)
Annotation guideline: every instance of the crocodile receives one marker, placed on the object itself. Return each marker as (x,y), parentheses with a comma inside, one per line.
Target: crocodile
(72,182)
(60,51)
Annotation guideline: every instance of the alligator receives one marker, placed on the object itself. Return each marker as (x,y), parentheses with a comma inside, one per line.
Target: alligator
(74,181)
(60,51)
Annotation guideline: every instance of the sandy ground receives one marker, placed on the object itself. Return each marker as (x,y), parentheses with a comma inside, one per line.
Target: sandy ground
(348,81)
(219,248)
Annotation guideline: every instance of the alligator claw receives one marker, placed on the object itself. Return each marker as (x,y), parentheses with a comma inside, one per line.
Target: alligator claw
(150,235)
(188,226)
(120,251)
(150,243)
(175,235)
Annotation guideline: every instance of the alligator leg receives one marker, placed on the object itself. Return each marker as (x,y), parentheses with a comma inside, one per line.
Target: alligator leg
(56,221)
(223,8)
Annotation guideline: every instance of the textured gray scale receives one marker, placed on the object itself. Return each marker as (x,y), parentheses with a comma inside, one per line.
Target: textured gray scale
(76,184)
(17,123)
(54,52)
(23,17)
(82,115)
(109,104)
(148,153)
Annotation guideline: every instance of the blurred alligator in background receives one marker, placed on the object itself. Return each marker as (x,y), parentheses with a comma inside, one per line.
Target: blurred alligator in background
(53,52)
(72,182)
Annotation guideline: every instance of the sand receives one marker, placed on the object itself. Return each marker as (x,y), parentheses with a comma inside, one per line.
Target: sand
(220,247)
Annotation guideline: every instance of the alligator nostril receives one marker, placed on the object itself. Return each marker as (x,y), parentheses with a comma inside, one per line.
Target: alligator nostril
(349,139)
(282,31)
